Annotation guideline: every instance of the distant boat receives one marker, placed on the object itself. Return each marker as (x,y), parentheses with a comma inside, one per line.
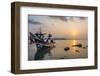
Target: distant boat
(66,48)
(77,45)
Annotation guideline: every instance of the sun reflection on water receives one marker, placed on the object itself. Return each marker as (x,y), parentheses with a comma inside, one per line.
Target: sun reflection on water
(74,43)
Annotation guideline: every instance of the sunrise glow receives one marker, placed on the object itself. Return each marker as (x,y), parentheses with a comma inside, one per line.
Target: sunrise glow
(74,33)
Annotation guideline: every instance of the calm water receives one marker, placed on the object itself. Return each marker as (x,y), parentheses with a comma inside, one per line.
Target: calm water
(59,53)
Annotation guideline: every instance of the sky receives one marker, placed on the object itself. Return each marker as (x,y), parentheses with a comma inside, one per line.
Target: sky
(69,27)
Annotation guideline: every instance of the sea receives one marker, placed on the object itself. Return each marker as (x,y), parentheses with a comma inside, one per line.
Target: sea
(59,52)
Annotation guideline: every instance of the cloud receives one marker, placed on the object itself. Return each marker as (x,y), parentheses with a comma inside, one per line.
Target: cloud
(66,18)
(31,21)
(72,18)
(63,18)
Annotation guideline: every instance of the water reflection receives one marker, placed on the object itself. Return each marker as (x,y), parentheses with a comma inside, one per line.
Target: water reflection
(41,52)
(59,52)
(74,43)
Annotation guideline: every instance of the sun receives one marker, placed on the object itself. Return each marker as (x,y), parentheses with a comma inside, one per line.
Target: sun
(74,33)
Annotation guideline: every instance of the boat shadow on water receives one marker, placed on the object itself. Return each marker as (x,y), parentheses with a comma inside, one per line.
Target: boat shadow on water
(43,45)
(41,52)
